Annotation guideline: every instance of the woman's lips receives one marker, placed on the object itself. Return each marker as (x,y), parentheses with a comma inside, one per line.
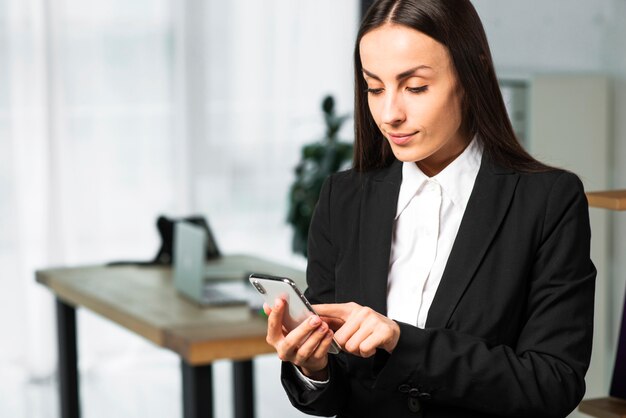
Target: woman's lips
(400,138)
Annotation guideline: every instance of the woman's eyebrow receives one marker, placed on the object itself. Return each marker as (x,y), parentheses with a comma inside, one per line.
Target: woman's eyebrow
(402,75)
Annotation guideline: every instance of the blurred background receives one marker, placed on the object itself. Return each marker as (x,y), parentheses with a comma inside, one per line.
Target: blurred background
(112,113)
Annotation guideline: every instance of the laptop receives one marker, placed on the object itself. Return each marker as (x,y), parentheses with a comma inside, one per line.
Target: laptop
(220,282)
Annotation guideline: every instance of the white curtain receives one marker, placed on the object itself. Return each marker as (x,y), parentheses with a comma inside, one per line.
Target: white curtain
(112,113)
(268,66)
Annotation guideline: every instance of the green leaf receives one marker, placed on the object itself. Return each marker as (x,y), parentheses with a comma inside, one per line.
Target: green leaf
(318,161)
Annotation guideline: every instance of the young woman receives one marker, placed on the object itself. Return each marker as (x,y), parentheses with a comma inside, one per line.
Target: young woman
(451,266)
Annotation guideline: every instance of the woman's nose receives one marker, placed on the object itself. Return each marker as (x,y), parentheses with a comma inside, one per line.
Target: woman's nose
(393,110)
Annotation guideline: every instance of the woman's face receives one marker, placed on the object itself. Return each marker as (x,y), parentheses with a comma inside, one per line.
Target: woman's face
(414,96)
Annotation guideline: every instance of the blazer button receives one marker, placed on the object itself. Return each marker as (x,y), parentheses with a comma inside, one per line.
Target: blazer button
(404,388)
(424,396)
(414,393)
(414,405)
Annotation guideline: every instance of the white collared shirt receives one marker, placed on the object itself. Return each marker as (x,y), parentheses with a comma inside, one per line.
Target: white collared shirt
(429,213)
(428,216)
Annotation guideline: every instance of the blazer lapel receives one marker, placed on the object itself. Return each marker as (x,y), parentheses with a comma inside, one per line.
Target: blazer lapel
(378,210)
(486,208)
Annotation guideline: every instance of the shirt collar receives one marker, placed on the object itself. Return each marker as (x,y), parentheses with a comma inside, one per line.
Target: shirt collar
(413,179)
(456,180)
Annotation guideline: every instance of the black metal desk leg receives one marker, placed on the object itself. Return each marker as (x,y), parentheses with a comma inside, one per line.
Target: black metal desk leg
(243,389)
(197,391)
(68,360)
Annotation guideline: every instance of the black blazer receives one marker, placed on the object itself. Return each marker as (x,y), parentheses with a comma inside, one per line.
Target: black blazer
(509,331)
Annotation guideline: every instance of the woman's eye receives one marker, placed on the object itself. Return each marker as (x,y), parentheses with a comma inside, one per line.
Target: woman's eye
(374,91)
(417,89)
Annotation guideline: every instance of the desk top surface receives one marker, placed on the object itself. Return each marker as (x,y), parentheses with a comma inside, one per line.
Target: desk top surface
(143,300)
(604,407)
(609,199)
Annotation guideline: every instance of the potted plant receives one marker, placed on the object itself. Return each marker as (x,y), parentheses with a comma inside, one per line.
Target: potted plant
(318,161)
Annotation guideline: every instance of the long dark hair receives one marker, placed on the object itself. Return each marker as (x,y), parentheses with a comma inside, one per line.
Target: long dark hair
(456,25)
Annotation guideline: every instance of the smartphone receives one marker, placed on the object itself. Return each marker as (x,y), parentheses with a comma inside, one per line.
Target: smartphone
(298,307)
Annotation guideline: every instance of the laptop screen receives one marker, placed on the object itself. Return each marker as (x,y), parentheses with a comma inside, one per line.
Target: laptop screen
(189,252)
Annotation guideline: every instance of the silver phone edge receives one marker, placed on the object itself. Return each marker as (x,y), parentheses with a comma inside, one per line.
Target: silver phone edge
(334,348)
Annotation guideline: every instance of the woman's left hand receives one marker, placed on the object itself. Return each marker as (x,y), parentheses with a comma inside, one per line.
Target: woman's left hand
(358,329)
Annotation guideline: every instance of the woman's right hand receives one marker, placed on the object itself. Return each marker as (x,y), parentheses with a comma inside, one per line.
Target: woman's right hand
(305,346)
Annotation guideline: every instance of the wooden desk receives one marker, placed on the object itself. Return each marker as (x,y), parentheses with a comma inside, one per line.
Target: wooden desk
(143,300)
(609,199)
(604,408)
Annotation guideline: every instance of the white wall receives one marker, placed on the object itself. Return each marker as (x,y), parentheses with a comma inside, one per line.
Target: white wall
(548,36)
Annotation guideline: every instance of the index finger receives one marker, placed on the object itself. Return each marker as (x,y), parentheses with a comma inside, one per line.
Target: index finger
(334,310)
(302,332)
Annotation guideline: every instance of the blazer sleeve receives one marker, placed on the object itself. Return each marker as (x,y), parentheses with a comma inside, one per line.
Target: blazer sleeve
(543,375)
(321,279)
